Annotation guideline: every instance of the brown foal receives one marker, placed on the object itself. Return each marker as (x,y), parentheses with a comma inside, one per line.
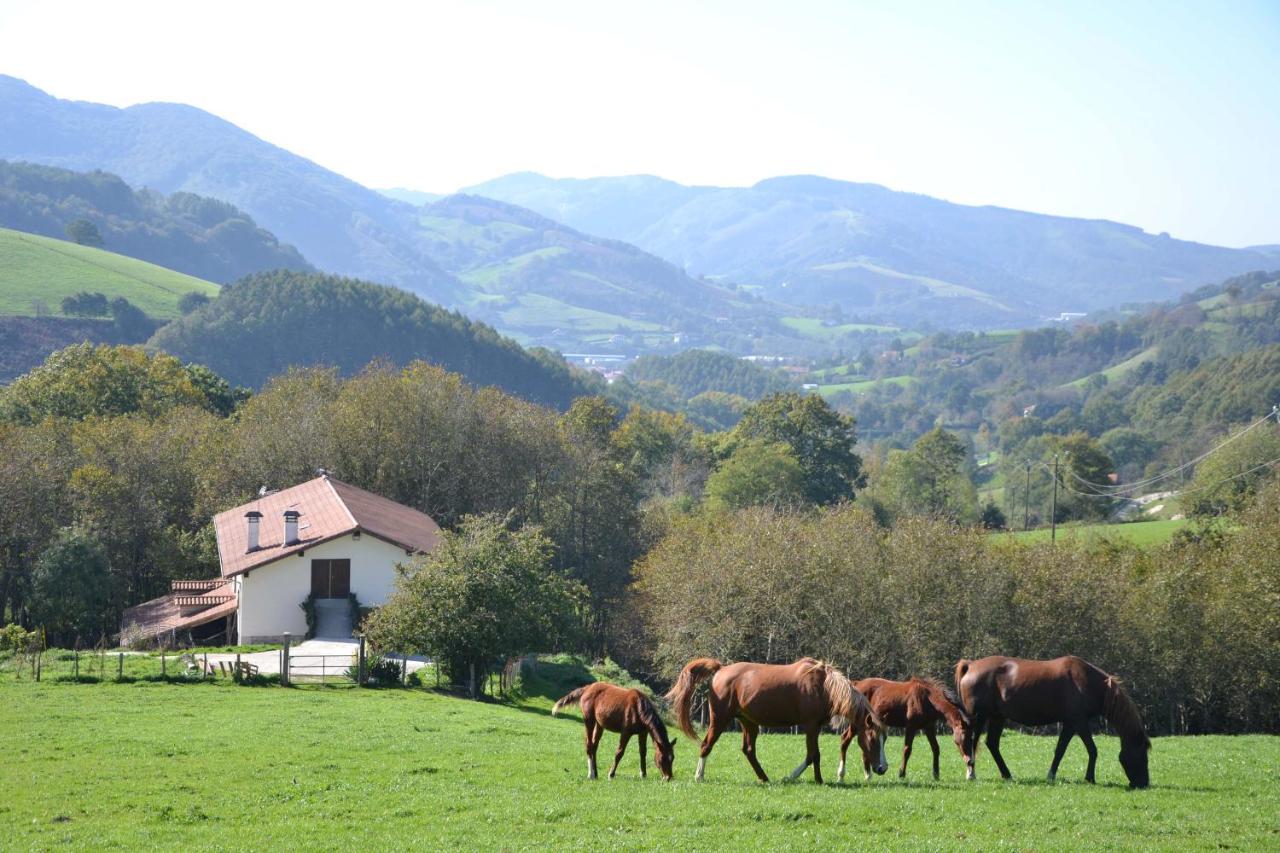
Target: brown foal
(606,707)
(915,705)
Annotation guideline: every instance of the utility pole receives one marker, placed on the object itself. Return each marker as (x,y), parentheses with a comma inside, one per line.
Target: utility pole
(1026,500)
(1053,513)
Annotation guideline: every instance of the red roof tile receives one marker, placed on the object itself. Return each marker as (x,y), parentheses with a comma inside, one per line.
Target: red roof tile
(328,509)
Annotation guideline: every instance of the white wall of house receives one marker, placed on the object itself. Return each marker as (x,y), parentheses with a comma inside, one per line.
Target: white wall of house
(270,595)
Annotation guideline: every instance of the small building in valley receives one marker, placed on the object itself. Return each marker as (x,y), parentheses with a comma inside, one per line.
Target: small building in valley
(323,540)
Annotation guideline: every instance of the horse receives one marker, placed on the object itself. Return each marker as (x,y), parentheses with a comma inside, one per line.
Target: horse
(628,712)
(1066,690)
(917,704)
(806,693)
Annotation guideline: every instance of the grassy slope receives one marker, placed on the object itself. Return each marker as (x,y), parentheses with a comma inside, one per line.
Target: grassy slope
(34,267)
(205,766)
(865,385)
(1139,532)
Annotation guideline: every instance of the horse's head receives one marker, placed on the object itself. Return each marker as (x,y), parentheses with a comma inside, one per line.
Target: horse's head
(871,738)
(666,758)
(1133,758)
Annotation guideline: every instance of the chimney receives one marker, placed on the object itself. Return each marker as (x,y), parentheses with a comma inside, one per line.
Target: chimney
(252,517)
(291,526)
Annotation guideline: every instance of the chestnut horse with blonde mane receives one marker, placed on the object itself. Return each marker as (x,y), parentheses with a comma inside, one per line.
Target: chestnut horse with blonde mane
(916,705)
(606,707)
(807,693)
(1064,690)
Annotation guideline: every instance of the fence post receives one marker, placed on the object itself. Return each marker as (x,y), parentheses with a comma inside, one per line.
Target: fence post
(236,675)
(284,661)
(471,680)
(164,672)
(204,673)
(360,664)
(77,664)
(120,668)
(404,668)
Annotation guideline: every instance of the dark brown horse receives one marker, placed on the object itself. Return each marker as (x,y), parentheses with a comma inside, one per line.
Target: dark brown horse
(628,712)
(807,693)
(1064,690)
(916,705)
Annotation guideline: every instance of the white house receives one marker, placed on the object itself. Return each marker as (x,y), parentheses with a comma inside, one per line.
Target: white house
(322,538)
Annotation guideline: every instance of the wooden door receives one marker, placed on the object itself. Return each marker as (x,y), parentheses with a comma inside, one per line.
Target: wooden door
(330,578)
(339,578)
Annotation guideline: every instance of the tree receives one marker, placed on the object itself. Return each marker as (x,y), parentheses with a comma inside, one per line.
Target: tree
(1228,479)
(758,473)
(191,301)
(85,380)
(821,439)
(486,594)
(930,479)
(131,324)
(84,304)
(84,232)
(70,587)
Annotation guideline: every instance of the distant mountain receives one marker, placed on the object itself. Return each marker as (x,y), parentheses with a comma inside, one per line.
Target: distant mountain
(337,224)
(415,197)
(199,236)
(547,282)
(881,254)
(264,324)
(529,276)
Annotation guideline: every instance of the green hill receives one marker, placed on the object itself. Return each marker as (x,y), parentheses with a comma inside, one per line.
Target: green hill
(36,273)
(194,234)
(264,324)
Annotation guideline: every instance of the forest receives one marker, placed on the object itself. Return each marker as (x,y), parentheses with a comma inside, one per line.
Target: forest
(200,236)
(768,540)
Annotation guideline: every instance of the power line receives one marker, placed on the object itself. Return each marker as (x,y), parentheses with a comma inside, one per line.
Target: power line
(1110,490)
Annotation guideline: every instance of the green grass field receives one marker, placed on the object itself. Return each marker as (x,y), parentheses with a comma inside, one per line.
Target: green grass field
(40,268)
(204,766)
(863,386)
(814,328)
(1144,533)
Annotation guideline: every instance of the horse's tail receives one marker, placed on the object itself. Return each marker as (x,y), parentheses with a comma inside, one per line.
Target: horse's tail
(847,702)
(1122,713)
(681,694)
(568,700)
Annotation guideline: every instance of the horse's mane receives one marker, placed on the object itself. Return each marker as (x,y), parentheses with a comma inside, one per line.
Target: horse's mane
(653,721)
(1122,713)
(933,685)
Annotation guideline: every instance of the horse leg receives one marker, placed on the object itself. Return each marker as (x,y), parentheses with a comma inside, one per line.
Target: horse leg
(1064,739)
(719,722)
(994,729)
(845,737)
(907,739)
(750,731)
(1087,737)
(810,757)
(617,756)
(593,740)
(933,744)
(978,723)
(644,741)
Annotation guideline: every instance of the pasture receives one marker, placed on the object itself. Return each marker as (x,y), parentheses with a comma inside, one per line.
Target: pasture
(206,765)
(1144,534)
(40,268)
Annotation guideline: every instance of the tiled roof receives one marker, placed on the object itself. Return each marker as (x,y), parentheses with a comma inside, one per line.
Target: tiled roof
(328,509)
(172,612)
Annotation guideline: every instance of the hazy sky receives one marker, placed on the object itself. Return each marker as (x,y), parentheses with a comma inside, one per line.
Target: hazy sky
(1164,115)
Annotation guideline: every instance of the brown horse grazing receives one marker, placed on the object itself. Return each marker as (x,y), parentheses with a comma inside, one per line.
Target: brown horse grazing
(1064,690)
(806,693)
(917,704)
(628,712)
